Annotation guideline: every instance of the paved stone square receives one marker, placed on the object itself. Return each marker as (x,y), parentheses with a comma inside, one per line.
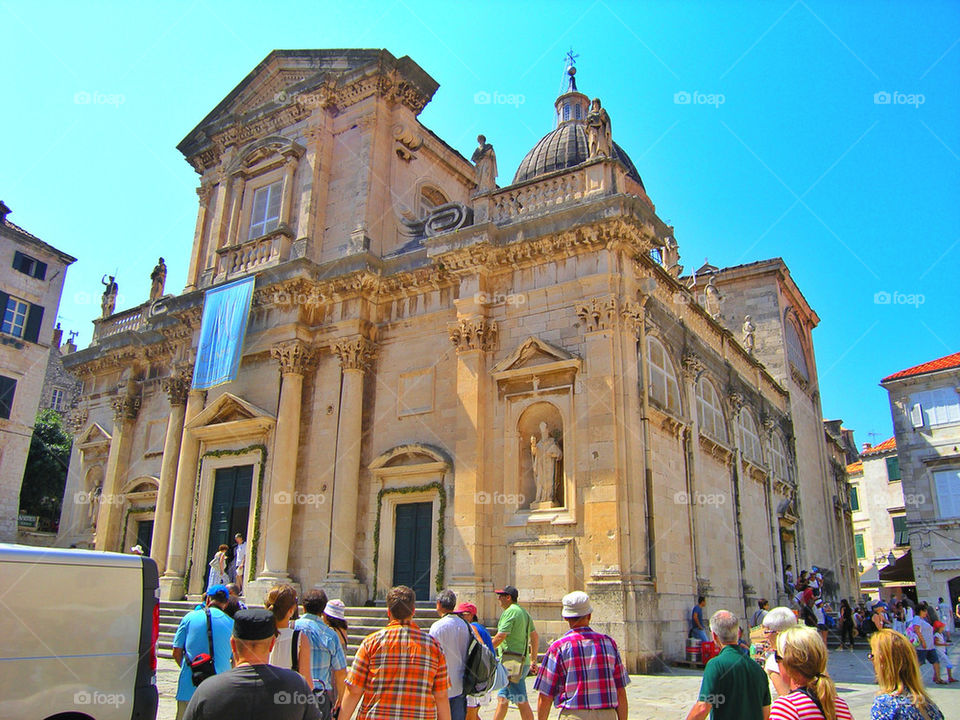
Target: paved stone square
(671,694)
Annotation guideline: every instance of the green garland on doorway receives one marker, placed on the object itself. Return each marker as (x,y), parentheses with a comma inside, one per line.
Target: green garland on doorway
(126,519)
(252,542)
(436,485)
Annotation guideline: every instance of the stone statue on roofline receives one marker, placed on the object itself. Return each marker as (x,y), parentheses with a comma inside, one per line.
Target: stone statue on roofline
(486,161)
(599,137)
(157,279)
(712,299)
(108,302)
(748,334)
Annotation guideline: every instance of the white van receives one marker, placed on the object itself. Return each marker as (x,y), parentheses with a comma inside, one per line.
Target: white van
(78,635)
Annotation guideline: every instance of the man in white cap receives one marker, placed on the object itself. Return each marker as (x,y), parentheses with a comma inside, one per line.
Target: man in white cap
(582,673)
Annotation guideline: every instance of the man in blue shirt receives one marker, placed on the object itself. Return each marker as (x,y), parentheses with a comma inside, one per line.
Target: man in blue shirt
(697,628)
(191,640)
(327,661)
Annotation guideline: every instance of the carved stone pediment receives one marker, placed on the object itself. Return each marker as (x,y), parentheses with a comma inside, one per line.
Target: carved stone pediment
(231,416)
(535,361)
(93,437)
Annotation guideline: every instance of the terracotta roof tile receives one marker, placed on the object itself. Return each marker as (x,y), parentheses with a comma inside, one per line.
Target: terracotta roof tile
(944,363)
(854,468)
(885,446)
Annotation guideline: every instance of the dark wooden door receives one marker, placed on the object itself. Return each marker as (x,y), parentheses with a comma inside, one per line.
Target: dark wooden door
(413,543)
(231,506)
(145,535)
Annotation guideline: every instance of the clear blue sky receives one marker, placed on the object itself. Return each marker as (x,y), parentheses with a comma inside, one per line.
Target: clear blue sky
(798,160)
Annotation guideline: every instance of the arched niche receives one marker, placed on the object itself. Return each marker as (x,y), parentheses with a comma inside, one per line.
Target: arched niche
(541,472)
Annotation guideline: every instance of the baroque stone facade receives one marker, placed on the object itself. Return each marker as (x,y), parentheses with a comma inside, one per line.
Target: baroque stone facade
(443,384)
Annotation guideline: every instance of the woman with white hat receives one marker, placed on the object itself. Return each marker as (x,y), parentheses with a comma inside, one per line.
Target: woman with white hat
(335,615)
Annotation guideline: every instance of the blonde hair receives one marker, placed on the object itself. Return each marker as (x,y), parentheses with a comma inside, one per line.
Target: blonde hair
(897,668)
(804,655)
(279,601)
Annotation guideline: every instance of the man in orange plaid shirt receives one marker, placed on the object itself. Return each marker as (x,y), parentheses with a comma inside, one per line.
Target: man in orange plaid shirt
(399,672)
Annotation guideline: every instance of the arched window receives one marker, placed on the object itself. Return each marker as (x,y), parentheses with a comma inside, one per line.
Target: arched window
(795,352)
(430,198)
(566,111)
(778,458)
(663,380)
(709,412)
(749,438)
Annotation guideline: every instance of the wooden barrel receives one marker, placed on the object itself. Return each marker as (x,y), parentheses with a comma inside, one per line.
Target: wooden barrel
(693,650)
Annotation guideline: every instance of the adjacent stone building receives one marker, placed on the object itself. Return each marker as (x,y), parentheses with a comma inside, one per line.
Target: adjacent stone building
(925,405)
(31,281)
(447,383)
(61,390)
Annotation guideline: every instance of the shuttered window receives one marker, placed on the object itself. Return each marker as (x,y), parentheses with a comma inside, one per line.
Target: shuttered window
(854,498)
(265,216)
(947,483)
(29,266)
(20,318)
(935,407)
(858,544)
(8,387)
(893,468)
(900,530)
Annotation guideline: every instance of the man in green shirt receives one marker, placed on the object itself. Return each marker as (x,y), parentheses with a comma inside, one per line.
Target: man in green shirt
(518,645)
(734,687)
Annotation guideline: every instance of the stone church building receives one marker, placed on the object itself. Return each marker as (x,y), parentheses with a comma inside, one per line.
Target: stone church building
(448,383)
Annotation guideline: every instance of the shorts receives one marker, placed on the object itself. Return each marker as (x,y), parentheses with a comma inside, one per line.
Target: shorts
(517,692)
(473,701)
(821,627)
(929,655)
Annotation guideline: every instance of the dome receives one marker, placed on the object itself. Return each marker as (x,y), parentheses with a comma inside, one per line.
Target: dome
(565,147)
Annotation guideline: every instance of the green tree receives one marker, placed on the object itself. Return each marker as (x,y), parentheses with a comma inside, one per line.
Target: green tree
(46,473)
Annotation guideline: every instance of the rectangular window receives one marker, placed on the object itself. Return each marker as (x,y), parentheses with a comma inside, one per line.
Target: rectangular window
(858,544)
(900,530)
(29,266)
(7,387)
(15,317)
(935,407)
(265,216)
(854,498)
(947,483)
(56,400)
(893,468)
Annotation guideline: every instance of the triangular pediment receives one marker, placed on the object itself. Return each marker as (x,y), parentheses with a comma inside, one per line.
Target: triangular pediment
(531,353)
(94,435)
(228,408)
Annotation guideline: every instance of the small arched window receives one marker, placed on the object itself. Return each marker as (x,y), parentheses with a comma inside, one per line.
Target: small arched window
(430,199)
(709,412)
(566,111)
(778,458)
(795,352)
(663,380)
(749,437)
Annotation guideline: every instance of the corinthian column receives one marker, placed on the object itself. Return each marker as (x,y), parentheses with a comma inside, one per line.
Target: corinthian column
(125,409)
(171,584)
(355,356)
(295,359)
(176,386)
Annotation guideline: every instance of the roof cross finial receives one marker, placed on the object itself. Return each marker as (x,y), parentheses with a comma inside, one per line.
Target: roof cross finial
(571,69)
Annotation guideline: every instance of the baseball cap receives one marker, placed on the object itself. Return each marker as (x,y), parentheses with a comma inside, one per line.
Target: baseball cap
(508,590)
(335,609)
(466,607)
(254,624)
(576,604)
(218,590)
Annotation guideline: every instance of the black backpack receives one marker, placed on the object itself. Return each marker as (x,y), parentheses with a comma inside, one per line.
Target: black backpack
(480,670)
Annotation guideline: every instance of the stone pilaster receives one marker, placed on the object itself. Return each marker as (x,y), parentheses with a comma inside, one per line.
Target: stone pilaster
(204,192)
(176,386)
(171,583)
(355,354)
(125,408)
(238,182)
(691,369)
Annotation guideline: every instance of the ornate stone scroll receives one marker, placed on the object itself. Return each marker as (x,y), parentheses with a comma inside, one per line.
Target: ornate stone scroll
(294,356)
(599,313)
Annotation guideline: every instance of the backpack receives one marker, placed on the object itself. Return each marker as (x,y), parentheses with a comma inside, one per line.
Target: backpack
(480,669)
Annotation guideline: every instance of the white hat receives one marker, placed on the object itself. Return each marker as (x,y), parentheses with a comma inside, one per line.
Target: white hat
(576,604)
(336,609)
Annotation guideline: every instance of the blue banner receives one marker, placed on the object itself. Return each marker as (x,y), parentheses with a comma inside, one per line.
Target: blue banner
(222,329)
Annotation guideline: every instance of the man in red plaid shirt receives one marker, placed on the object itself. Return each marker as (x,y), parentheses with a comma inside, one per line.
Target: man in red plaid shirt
(582,672)
(399,672)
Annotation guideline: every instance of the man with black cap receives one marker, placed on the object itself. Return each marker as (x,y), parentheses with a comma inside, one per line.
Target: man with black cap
(582,671)
(254,689)
(518,644)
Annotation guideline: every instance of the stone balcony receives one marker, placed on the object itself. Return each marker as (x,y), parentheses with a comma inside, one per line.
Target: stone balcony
(542,194)
(253,255)
(125,321)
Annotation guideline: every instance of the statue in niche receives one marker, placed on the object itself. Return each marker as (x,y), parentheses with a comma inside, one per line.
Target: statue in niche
(108,302)
(599,138)
(748,334)
(545,454)
(486,161)
(94,500)
(157,279)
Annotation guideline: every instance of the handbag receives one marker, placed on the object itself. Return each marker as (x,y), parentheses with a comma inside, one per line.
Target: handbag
(513,664)
(202,667)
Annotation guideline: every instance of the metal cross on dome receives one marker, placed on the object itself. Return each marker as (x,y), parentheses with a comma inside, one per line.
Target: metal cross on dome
(571,57)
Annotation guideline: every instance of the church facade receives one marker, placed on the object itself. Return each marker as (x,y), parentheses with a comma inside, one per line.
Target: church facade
(444,382)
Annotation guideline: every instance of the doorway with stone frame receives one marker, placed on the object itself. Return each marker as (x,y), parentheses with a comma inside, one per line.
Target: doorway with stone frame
(230,507)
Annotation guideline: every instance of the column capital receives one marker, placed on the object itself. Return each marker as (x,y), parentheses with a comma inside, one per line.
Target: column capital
(599,313)
(126,405)
(77,420)
(356,353)
(294,356)
(735,402)
(177,386)
(692,366)
(204,192)
(476,333)
(633,315)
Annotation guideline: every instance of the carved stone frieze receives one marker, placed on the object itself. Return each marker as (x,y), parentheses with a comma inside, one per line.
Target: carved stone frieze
(599,313)
(356,353)
(294,356)
(76,420)
(474,334)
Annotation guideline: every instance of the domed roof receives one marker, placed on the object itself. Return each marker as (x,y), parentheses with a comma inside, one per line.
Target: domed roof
(565,147)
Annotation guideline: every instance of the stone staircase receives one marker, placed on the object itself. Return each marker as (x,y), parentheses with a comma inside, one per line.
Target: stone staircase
(361,621)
